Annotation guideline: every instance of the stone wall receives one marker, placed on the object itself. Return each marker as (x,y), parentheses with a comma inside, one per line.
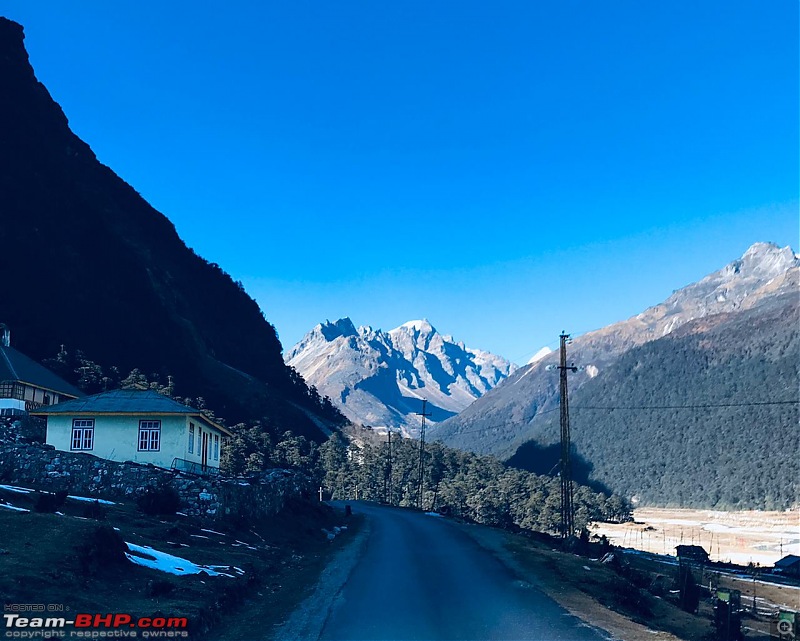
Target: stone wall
(43,467)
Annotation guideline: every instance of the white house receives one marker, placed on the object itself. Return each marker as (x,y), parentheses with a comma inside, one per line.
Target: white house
(139,426)
(24,384)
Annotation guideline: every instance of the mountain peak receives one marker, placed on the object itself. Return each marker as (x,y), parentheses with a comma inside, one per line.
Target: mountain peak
(377,377)
(423,326)
(545,351)
(763,280)
(767,259)
(342,327)
(12,33)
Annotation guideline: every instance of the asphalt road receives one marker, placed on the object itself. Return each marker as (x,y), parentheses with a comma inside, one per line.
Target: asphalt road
(421,577)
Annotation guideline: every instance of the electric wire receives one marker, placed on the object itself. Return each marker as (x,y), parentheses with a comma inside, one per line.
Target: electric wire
(646,408)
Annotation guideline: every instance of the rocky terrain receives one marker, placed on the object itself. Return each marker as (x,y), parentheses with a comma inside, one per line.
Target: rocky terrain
(378,378)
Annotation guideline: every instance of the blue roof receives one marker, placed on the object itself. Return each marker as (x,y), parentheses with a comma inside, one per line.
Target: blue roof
(125,401)
(787,561)
(16,367)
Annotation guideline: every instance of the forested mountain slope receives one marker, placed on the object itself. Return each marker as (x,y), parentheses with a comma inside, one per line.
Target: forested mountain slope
(705,417)
(509,414)
(86,262)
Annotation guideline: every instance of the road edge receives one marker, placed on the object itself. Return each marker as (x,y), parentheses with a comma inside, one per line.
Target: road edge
(613,624)
(308,619)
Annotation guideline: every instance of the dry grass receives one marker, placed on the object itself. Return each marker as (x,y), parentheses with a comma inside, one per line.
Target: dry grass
(599,595)
(44,561)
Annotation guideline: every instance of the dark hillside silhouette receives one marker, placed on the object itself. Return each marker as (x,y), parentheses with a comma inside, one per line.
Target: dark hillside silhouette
(90,264)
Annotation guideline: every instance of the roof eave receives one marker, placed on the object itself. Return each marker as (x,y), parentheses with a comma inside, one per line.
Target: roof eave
(42,387)
(199,415)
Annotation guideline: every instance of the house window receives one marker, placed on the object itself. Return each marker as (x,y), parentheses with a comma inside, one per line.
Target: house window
(149,436)
(216,447)
(191,438)
(12,390)
(82,434)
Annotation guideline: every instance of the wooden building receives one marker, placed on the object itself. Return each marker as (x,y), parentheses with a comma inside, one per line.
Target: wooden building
(24,384)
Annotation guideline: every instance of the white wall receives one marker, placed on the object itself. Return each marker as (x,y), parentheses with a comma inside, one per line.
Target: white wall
(12,404)
(117,438)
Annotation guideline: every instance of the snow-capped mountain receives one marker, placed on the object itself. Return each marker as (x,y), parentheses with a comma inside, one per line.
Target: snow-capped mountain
(545,351)
(379,378)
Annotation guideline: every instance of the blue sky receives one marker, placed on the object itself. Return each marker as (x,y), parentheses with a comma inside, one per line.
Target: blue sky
(505,169)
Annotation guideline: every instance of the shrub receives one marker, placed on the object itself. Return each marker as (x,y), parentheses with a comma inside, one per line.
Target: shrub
(159,588)
(103,547)
(161,500)
(46,502)
(95,511)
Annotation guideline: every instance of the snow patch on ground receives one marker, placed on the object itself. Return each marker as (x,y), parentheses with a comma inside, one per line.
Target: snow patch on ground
(89,500)
(156,560)
(14,488)
(14,507)
(239,544)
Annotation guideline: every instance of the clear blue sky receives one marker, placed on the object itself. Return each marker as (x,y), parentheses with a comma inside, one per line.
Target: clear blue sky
(505,169)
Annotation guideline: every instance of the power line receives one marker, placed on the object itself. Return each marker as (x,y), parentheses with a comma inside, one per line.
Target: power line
(527,420)
(684,407)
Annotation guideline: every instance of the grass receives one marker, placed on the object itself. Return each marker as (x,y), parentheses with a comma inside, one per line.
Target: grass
(624,592)
(50,558)
(612,598)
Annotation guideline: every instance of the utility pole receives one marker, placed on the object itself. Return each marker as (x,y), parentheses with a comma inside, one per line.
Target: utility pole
(567,507)
(387,482)
(421,474)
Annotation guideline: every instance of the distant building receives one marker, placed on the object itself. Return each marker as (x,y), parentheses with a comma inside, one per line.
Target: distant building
(139,426)
(24,384)
(789,565)
(692,553)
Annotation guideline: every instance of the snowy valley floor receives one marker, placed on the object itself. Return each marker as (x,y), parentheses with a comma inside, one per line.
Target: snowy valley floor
(736,537)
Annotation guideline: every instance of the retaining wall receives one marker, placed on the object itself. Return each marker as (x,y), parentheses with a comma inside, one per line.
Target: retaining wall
(45,468)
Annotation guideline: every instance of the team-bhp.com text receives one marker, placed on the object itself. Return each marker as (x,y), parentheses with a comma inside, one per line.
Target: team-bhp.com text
(95,626)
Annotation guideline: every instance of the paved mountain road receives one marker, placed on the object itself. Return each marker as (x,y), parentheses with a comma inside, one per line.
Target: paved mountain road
(421,577)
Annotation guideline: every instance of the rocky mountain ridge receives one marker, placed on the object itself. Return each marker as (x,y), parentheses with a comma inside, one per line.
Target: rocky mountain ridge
(379,378)
(703,417)
(507,416)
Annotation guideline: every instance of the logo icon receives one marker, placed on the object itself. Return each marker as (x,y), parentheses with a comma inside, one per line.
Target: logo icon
(783,628)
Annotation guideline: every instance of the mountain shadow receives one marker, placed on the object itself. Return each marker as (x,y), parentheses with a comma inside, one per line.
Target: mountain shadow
(546,459)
